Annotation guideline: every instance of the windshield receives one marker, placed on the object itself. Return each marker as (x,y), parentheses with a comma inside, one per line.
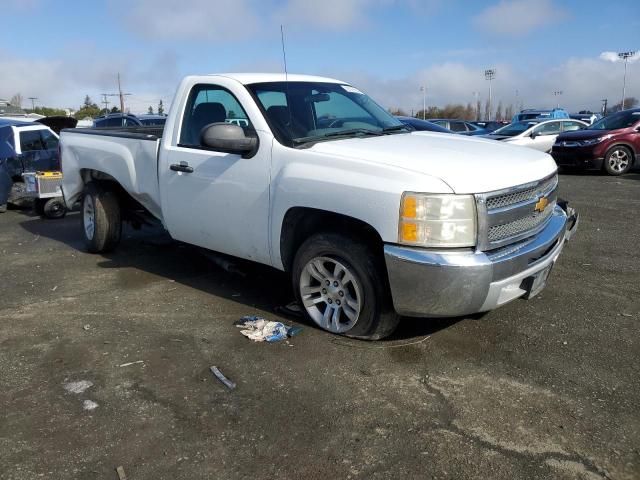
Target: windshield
(513,129)
(303,112)
(616,121)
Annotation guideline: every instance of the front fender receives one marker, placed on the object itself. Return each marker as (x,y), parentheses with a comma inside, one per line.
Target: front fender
(365,191)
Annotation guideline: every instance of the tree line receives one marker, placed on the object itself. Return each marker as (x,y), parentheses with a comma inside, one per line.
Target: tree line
(462,112)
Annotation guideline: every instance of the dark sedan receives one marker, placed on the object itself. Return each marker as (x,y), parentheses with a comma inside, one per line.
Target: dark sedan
(461,127)
(423,125)
(611,144)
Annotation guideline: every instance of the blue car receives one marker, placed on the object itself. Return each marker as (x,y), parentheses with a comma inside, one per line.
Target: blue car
(537,114)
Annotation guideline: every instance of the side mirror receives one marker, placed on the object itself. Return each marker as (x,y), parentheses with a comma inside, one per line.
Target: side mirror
(229,138)
(534,134)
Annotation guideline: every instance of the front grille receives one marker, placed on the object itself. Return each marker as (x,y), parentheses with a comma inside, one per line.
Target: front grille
(517,227)
(519,196)
(511,215)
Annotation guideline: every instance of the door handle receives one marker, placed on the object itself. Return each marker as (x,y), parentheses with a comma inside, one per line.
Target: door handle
(181,167)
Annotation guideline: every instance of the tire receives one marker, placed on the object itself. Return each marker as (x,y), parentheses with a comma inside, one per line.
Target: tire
(100,219)
(618,160)
(54,208)
(357,287)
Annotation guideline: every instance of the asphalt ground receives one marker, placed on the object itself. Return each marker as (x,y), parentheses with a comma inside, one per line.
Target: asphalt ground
(546,388)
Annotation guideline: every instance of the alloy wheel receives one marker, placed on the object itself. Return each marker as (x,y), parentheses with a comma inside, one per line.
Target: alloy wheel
(619,160)
(330,294)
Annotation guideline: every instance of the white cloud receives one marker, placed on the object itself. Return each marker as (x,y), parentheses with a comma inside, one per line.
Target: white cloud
(227,20)
(583,81)
(239,20)
(328,14)
(64,82)
(518,17)
(613,57)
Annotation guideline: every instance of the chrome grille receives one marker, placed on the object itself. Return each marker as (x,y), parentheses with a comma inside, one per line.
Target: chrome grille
(511,229)
(511,215)
(519,196)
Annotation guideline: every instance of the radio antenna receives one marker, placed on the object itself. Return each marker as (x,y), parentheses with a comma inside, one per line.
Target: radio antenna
(286,74)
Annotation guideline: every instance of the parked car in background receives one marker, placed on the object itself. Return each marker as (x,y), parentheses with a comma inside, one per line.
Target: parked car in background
(423,125)
(370,219)
(24,147)
(117,120)
(539,135)
(462,127)
(535,114)
(490,125)
(611,144)
(587,117)
(152,120)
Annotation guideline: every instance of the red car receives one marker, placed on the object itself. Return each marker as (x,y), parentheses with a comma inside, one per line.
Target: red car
(611,144)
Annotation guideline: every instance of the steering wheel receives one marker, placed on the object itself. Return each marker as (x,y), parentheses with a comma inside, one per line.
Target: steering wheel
(334,124)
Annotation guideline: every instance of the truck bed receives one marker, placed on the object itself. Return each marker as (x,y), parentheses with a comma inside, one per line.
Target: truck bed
(127,154)
(139,133)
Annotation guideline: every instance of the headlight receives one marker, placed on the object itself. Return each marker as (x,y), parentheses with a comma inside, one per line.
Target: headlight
(592,141)
(437,220)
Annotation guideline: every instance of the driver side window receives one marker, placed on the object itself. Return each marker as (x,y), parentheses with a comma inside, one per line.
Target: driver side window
(209,104)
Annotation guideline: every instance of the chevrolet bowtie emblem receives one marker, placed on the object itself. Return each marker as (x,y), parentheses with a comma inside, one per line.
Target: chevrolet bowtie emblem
(541,204)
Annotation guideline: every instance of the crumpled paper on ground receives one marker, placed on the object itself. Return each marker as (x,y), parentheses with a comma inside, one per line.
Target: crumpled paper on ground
(260,330)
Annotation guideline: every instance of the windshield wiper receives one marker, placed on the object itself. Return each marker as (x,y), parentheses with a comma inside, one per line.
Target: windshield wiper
(340,133)
(353,131)
(395,128)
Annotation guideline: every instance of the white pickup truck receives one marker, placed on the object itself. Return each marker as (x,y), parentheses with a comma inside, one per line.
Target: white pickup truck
(310,176)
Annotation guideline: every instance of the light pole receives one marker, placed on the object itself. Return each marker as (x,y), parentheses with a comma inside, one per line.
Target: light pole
(33,103)
(423,89)
(625,56)
(476,95)
(556,94)
(489,74)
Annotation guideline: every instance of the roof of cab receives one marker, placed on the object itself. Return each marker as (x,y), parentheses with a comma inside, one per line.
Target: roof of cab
(249,78)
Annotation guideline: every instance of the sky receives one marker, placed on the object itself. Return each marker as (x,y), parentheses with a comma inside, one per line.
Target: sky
(61,50)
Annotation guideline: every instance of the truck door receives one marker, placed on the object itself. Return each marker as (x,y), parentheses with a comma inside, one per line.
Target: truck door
(219,201)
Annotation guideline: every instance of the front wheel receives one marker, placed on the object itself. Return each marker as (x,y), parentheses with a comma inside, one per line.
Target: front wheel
(101,222)
(618,160)
(342,287)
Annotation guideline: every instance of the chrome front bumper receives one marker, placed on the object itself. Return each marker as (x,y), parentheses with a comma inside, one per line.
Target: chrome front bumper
(442,283)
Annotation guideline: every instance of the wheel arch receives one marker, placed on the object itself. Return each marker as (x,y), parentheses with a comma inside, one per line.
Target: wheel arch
(132,210)
(299,223)
(622,143)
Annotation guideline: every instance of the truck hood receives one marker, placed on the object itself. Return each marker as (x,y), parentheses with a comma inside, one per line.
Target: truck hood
(466,164)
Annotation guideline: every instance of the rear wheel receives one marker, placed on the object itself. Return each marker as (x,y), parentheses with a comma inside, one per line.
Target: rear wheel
(341,286)
(618,160)
(101,221)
